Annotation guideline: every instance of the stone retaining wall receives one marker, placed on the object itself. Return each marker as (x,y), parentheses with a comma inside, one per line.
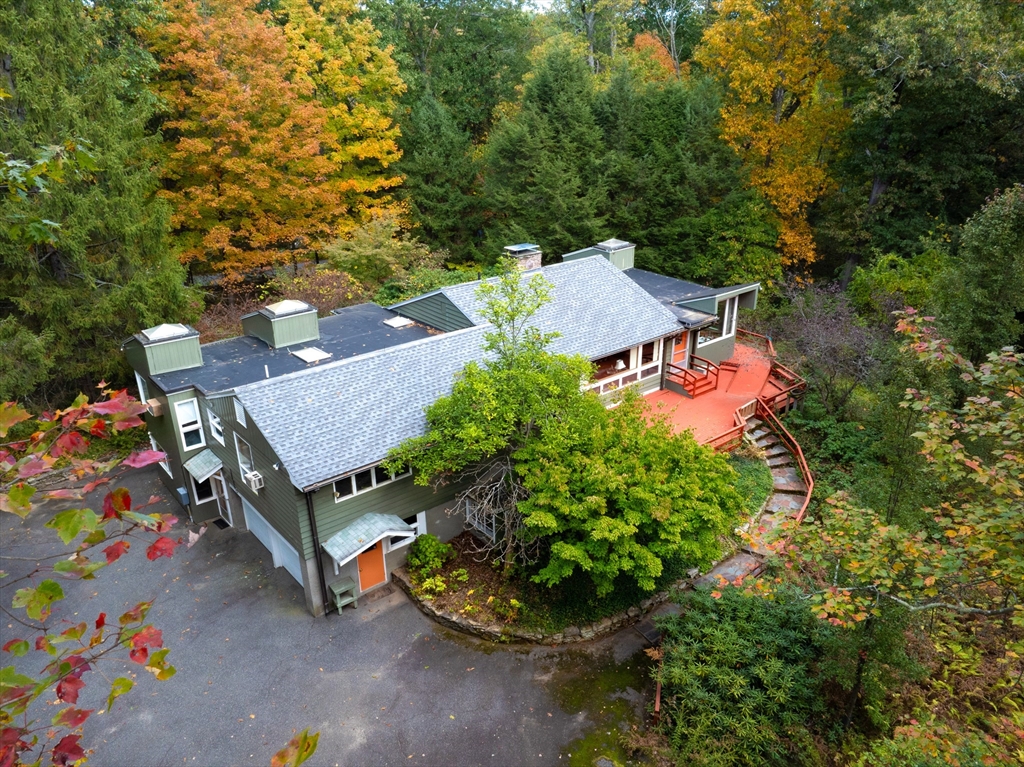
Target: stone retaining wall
(497,632)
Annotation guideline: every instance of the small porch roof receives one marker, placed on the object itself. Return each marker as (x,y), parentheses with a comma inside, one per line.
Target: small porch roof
(346,544)
(203,466)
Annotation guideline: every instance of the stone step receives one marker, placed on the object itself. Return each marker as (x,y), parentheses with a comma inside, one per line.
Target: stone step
(787,480)
(734,567)
(759,535)
(758,434)
(785,459)
(752,424)
(766,442)
(787,503)
(776,450)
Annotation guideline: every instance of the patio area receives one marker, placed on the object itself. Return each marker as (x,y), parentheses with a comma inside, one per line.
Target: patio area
(748,374)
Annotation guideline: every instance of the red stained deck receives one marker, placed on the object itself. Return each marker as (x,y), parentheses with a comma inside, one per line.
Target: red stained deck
(711,414)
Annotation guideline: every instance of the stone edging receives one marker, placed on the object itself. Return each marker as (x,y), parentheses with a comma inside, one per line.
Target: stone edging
(495,632)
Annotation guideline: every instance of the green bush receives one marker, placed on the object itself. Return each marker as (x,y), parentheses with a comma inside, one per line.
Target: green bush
(739,681)
(427,555)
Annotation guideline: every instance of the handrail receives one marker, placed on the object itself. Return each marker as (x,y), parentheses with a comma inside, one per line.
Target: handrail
(770,347)
(767,415)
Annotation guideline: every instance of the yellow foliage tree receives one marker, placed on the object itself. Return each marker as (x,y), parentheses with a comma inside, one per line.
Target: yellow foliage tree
(278,134)
(783,112)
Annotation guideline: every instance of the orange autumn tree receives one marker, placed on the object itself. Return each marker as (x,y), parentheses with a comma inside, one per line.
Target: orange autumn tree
(783,111)
(261,165)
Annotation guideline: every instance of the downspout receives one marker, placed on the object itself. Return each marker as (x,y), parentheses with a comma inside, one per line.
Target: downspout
(316,550)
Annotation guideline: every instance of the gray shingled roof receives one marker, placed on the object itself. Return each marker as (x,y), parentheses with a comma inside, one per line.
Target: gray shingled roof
(597,309)
(334,418)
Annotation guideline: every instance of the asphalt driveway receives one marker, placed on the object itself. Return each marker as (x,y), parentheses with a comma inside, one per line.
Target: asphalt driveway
(382,683)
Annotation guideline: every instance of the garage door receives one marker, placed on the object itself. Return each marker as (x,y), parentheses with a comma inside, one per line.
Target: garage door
(284,555)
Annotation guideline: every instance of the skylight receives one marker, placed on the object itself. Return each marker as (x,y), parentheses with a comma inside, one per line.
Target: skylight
(311,354)
(288,306)
(398,322)
(165,332)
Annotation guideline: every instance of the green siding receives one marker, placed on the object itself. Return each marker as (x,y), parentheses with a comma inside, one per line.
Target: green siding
(709,304)
(136,356)
(437,311)
(402,498)
(718,350)
(286,331)
(622,258)
(278,502)
(585,253)
(179,354)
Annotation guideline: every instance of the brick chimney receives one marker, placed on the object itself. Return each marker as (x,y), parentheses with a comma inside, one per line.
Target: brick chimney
(527,256)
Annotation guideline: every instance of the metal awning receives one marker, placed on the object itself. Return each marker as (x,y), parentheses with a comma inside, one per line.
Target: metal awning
(346,544)
(203,466)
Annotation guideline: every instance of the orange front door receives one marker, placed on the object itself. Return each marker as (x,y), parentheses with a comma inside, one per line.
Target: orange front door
(681,350)
(371,567)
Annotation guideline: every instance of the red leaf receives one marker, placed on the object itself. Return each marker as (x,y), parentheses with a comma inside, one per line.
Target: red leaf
(68,689)
(116,404)
(72,442)
(148,637)
(8,645)
(139,655)
(161,547)
(33,467)
(68,750)
(90,486)
(98,428)
(144,458)
(128,423)
(116,503)
(42,643)
(64,492)
(115,551)
(101,621)
(72,717)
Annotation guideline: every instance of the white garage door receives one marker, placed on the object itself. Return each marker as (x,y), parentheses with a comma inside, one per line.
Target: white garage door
(284,555)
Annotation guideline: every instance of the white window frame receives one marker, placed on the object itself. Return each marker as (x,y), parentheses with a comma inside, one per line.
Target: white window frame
(374,482)
(240,413)
(238,454)
(728,324)
(484,524)
(216,427)
(195,490)
(164,464)
(419,528)
(143,389)
(198,427)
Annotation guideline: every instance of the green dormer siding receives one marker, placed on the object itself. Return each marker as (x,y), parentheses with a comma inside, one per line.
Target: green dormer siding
(435,310)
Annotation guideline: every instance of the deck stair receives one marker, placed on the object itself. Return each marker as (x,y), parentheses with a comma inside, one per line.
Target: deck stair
(700,378)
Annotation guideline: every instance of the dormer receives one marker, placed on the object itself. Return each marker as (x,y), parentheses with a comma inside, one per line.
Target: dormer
(164,349)
(285,323)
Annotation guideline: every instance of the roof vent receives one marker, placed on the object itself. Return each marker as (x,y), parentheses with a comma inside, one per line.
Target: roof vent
(164,349)
(527,255)
(284,323)
(619,252)
(311,354)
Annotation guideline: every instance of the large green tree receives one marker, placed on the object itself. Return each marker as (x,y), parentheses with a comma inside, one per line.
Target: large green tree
(100,269)
(544,177)
(566,484)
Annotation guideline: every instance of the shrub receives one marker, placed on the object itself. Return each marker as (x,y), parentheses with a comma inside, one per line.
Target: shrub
(739,681)
(427,555)
(433,586)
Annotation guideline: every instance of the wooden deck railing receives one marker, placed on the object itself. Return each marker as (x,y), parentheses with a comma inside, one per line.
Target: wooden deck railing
(693,377)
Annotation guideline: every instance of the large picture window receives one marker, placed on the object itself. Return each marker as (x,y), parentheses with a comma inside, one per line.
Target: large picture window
(725,327)
(189,425)
(364,481)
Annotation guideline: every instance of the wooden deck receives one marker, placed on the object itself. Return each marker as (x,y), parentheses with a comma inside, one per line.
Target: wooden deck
(713,413)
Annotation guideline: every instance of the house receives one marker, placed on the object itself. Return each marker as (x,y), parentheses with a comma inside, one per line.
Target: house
(282,431)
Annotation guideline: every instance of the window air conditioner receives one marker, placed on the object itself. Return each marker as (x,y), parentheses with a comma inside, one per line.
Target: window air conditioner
(254,480)
(154,407)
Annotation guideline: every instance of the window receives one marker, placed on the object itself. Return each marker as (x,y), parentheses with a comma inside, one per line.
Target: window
(164,464)
(482,523)
(143,389)
(418,522)
(725,327)
(203,490)
(364,481)
(216,427)
(240,413)
(189,425)
(648,353)
(245,463)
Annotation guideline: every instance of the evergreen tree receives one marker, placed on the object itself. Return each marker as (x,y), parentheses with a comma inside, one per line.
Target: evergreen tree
(544,163)
(75,74)
(442,179)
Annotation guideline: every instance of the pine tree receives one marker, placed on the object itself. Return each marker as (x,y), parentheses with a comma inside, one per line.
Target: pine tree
(544,163)
(442,179)
(75,74)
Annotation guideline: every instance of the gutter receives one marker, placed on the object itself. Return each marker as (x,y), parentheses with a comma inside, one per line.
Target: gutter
(316,551)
